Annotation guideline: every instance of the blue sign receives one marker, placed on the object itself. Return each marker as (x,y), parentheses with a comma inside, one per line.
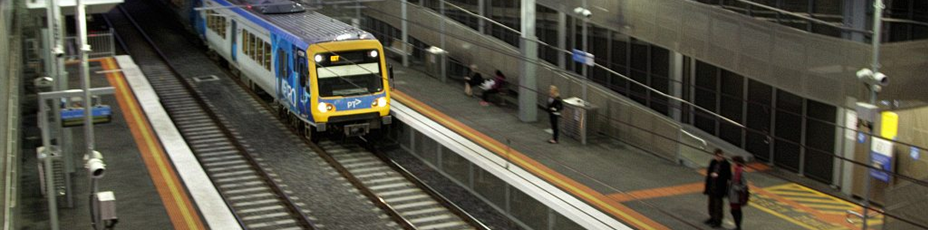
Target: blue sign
(583,57)
(914,153)
(861,138)
(78,113)
(881,155)
(883,162)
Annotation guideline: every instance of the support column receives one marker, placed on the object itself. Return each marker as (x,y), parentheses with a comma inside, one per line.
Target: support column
(444,55)
(676,84)
(404,31)
(482,11)
(528,95)
(855,16)
(561,39)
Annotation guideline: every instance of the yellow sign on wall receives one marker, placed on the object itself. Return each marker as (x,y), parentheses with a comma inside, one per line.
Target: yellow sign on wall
(889,127)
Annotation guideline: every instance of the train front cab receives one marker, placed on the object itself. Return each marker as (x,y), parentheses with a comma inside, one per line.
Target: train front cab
(351,86)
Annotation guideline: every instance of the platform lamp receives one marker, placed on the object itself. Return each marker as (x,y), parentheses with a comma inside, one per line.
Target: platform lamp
(875,82)
(585,14)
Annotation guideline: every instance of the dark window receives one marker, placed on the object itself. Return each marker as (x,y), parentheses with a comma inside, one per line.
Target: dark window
(788,130)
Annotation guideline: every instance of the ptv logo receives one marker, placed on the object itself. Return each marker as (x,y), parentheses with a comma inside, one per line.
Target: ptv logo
(354,103)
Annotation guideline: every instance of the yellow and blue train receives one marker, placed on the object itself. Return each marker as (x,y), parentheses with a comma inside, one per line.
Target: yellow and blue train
(323,74)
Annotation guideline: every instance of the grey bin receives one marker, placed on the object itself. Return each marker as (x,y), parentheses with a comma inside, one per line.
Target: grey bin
(433,57)
(576,118)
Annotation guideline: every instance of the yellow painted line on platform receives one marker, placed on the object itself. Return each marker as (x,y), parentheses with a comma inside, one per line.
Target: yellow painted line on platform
(772,193)
(599,200)
(170,189)
(781,216)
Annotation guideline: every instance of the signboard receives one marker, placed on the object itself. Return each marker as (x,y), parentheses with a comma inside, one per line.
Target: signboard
(914,152)
(583,57)
(889,125)
(881,155)
(73,117)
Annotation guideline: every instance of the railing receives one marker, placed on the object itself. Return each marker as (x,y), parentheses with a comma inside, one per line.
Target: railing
(9,124)
(626,120)
(101,45)
(786,18)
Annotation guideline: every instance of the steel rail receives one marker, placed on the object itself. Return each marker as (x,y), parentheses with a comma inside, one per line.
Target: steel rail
(457,210)
(276,188)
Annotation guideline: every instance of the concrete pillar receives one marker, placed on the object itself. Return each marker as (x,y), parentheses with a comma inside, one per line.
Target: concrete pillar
(482,11)
(855,16)
(676,84)
(561,39)
(528,96)
(404,31)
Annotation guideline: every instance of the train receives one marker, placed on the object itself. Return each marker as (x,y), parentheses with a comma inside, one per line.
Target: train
(323,74)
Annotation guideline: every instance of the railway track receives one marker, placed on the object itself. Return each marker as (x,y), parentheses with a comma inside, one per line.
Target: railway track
(248,185)
(251,191)
(418,205)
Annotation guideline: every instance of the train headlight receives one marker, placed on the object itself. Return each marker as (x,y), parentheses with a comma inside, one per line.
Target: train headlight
(381,102)
(373,53)
(324,107)
(318,57)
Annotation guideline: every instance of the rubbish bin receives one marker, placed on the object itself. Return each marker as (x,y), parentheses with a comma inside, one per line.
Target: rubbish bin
(433,58)
(576,118)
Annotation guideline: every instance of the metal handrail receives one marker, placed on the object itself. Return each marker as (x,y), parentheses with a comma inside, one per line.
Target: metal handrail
(811,19)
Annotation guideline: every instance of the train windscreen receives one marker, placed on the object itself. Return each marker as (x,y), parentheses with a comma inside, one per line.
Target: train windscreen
(348,73)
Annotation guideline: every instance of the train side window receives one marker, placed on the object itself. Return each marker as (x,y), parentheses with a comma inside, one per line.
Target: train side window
(259,55)
(267,56)
(244,42)
(252,44)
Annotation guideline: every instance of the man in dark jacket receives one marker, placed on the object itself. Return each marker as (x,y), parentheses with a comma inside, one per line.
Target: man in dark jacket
(717,176)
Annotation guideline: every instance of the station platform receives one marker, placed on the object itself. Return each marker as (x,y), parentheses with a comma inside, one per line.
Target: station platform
(150,192)
(635,187)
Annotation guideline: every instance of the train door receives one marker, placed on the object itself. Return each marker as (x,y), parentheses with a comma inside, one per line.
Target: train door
(234,41)
(302,81)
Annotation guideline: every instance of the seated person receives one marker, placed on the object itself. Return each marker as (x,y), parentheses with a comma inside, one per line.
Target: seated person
(493,88)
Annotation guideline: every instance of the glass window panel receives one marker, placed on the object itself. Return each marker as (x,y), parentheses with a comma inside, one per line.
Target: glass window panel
(563,223)
(660,61)
(706,76)
(758,144)
(787,155)
(528,210)
(731,108)
(789,102)
(620,52)
(639,56)
(490,187)
(455,165)
(732,84)
(267,56)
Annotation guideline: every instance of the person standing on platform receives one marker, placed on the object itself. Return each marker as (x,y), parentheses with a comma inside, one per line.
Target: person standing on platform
(472,80)
(739,194)
(717,178)
(554,111)
(494,88)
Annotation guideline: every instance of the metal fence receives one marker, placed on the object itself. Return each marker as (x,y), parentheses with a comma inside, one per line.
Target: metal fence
(101,45)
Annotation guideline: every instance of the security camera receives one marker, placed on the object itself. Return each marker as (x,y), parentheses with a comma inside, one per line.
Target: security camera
(94,165)
(95,168)
(583,12)
(867,76)
(59,52)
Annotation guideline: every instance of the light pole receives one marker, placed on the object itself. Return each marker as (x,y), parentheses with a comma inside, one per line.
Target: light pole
(585,15)
(875,81)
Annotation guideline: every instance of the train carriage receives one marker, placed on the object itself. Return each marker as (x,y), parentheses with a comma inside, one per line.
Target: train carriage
(323,74)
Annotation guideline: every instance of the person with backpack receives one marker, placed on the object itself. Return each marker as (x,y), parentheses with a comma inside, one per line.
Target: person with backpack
(738,194)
